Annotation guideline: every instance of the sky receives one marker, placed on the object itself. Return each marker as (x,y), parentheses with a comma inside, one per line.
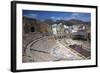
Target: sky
(43,15)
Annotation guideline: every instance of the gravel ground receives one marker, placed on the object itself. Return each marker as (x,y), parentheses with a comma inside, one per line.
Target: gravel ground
(47,49)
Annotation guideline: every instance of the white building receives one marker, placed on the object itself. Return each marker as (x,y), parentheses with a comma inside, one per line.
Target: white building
(58,30)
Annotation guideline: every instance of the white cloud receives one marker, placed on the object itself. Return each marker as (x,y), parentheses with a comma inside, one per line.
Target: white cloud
(52,17)
(59,18)
(75,14)
(31,15)
(56,18)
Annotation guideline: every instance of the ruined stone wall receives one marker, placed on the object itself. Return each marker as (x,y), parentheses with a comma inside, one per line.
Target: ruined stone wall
(40,27)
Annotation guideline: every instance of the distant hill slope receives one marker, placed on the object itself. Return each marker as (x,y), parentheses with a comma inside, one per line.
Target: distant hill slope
(65,22)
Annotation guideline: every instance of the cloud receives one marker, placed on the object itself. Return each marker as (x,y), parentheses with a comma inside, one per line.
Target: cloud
(31,15)
(56,18)
(74,16)
(71,17)
(52,17)
(59,18)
